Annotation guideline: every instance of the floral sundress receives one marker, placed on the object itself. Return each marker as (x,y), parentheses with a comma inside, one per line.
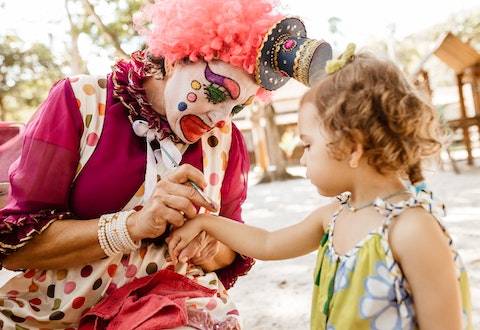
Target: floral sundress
(365,288)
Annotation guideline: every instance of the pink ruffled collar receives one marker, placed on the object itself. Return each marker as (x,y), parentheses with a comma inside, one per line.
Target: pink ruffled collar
(128,77)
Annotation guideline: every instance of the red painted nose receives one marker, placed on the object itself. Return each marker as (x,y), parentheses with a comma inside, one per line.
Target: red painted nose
(220,124)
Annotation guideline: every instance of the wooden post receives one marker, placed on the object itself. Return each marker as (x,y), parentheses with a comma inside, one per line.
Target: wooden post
(474,80)
(426,84)
(463,112)
(259,141)
(473,77)
(275,153)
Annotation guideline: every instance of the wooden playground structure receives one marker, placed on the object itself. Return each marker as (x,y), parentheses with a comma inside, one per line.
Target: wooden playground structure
(464,60)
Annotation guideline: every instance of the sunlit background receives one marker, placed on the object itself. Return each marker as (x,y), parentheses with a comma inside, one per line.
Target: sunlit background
(43,41)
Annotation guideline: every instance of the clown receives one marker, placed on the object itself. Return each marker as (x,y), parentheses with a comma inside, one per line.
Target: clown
(98,184)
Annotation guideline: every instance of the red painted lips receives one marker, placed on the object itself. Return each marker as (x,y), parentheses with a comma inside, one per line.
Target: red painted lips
(193,127)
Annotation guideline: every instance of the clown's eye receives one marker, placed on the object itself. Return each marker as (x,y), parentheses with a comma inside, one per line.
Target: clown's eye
(236,109)
(215,93)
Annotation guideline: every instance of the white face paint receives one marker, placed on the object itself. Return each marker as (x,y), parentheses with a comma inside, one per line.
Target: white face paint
(200,96)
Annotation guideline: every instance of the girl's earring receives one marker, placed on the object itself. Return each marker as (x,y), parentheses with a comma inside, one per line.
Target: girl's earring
(356,156)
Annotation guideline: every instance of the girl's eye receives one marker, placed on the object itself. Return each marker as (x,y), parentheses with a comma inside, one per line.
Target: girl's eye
(236,109)
(306,147)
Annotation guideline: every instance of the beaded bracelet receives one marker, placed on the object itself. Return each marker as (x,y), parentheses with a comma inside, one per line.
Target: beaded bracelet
(113,234)
(125,237)
(102,237)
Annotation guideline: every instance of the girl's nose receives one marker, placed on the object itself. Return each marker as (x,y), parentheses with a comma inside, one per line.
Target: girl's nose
(220,124)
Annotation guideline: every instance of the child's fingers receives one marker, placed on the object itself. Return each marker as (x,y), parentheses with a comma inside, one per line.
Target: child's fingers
(207,253)
(172,243)
(189,252)
(180,253)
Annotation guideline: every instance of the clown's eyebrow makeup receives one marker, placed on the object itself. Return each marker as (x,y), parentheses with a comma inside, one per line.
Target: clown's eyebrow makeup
(230,85)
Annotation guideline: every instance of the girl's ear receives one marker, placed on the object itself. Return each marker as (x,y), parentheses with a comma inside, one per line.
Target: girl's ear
(356,155)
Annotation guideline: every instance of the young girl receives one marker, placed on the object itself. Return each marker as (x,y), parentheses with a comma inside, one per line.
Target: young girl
(384,260)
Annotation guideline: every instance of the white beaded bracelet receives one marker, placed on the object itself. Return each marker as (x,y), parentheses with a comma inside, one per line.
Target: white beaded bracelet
(113,234)
(125,235)
(102,237)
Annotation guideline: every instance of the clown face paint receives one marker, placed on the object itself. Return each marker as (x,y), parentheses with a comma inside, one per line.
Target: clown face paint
(199,96)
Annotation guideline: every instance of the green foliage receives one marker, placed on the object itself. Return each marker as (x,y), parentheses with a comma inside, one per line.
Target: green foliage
(26,74)
(116,15)
(333,23)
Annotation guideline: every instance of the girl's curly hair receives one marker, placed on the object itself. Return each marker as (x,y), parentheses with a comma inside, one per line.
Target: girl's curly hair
(369,101)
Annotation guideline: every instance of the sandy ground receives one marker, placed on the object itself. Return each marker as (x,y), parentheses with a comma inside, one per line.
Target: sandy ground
(276,294)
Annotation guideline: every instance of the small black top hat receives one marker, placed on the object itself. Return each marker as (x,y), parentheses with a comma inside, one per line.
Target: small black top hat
(287,52)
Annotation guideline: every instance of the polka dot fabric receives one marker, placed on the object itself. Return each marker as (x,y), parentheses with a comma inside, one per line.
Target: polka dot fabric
(216,147)
(56,299)
(91,94)
(63,295)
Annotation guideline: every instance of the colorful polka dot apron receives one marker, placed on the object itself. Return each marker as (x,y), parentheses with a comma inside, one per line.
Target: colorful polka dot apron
(56,299)
(365,288)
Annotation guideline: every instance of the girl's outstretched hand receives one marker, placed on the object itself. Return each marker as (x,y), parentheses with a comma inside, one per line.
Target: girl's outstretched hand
(181,236)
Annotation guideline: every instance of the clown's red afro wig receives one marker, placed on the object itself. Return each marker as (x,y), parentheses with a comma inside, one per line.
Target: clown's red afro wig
(228,30)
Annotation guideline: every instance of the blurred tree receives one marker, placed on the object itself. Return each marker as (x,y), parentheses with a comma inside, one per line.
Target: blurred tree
(106,32)
(334,30)
(77,64)
(27,71)
(107,23)
(333,23)
(26,74)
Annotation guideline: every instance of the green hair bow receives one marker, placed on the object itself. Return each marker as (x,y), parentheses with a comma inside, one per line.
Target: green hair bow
(336,64)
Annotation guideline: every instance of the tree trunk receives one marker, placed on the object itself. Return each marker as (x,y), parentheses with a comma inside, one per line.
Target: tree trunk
(260,143)
(77,64)
(3,111)
(102,27)
(277,158)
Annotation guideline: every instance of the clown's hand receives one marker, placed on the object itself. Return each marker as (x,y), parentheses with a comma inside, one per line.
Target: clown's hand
(181,237)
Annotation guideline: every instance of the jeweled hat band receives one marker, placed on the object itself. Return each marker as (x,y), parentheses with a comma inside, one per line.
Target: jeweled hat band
(287,52)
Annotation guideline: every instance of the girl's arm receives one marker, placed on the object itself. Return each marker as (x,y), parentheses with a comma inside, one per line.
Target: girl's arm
(422,250)
(258,243)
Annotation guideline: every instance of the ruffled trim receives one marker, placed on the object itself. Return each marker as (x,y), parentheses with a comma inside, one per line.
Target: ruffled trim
(16,231)
(128,77)
(239,267)
(423,198)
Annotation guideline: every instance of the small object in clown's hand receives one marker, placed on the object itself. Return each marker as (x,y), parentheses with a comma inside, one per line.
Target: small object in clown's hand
(205,197)
(193,184)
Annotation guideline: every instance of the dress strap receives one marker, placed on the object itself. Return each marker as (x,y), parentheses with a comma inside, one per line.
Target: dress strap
(420,198)
(343,200)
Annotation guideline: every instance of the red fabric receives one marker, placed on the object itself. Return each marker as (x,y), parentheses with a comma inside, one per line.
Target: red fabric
(40,179)
(153,302)
(11,136)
